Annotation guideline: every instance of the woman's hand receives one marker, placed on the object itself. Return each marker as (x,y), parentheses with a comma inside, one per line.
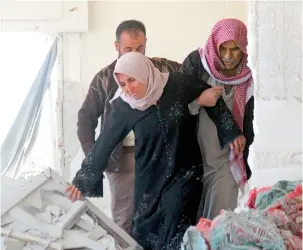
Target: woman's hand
(238,144)
(74,193)
(209,97)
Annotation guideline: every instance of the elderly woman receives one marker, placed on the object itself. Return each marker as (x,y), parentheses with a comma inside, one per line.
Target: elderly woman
(223,62)
(168,175)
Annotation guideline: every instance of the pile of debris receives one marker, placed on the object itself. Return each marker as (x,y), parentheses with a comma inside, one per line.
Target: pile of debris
(36,214)
(272,219)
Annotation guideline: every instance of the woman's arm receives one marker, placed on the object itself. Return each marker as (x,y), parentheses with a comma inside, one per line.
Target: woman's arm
(190,88)
(188,67)
(248,131)
(192,65)
(88,178)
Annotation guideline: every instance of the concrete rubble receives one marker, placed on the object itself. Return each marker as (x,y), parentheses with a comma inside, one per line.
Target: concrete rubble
(36,215)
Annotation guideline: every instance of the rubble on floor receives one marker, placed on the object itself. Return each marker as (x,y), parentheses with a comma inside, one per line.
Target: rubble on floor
(36,214)
(272,219)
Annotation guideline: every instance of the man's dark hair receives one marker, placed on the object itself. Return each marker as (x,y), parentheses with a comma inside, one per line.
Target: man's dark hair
(132,26)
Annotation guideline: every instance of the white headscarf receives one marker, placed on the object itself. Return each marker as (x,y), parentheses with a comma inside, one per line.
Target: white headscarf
(141,68)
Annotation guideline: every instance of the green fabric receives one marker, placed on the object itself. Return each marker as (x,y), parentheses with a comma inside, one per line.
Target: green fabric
(276,193)
(249,230)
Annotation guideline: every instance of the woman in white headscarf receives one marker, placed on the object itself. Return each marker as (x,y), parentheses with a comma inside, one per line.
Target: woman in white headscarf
(168,175)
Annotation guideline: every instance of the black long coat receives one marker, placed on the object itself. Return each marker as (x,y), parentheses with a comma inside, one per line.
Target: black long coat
(168,175)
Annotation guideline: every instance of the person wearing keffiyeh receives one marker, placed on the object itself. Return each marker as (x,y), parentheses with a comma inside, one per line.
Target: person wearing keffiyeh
(223,62)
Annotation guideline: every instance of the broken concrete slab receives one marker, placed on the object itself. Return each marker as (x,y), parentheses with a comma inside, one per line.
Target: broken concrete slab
(42,214)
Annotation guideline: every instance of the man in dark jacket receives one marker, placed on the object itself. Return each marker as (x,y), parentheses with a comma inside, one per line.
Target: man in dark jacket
(130,36)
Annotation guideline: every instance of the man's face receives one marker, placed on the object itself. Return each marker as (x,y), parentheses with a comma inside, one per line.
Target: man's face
(230,54)
(131,42)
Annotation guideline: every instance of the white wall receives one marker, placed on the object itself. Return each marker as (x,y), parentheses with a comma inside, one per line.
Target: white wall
(174,29)
(275,50)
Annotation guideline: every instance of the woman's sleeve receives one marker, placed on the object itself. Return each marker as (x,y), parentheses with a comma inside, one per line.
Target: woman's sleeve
(228,130)
(190,63)
(89,177)
(189,67)
(248,131)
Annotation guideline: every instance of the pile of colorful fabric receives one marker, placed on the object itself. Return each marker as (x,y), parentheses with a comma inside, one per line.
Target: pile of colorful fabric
(272,220)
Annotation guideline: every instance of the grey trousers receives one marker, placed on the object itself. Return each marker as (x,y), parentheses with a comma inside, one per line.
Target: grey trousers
(121,186)
(220,191)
